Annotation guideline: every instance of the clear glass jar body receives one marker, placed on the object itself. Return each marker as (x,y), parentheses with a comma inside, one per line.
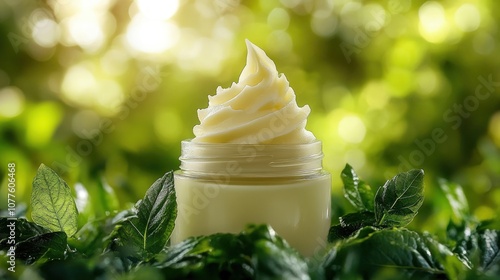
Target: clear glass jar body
(224,187)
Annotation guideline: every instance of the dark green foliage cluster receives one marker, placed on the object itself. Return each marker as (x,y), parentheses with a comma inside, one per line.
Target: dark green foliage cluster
(371,243)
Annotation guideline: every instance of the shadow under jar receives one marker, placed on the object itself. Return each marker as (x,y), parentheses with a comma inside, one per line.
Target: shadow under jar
(225,187)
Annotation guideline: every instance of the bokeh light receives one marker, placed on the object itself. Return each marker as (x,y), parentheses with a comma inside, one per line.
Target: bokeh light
(433,23)
(352,129)
(46,33)
(151,36)
(467,17)
(11,102)
(157,9)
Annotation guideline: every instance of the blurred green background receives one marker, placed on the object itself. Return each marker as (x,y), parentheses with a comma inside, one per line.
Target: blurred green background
(103,91)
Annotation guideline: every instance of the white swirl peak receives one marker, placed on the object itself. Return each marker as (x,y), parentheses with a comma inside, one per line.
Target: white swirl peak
(259,109)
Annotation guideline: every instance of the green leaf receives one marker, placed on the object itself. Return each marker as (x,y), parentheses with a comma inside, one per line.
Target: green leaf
(480,250)
(398,201)
(256,253)
(273,257)
(91,238)
(48,246)
(24,230)
(350,224)
(489,244)
(52,205)
(359,194)
(457,200)
(106,196)
(148,231)
(405,252)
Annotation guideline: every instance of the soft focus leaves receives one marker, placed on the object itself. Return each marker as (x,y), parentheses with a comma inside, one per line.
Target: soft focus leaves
(405,252)
(256,253)
(109,89)
(24,230)
(51,245)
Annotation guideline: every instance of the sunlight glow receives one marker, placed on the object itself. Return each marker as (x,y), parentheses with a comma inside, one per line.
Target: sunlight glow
(46,33)
(433,26)
(151,36)
(80,87)
(467,18)
(86,31)
(82,197)
(158,9)
(11,102)
(352,129)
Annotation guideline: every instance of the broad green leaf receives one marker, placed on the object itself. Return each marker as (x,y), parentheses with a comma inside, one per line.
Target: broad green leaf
(451,263)
(359,194)
(48,246)
(398,201)
(24,230)
(406,252)
(351,223)
(52,205)
(148,231)
(489,244)
(480,250)
(457,200)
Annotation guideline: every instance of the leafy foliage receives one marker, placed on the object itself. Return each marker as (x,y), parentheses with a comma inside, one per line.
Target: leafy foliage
(52,205)
(257,252)
(374,250)
(50,246)
(133,244)
(395,204)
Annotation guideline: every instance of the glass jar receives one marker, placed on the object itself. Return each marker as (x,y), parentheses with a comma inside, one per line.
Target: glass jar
(224,187)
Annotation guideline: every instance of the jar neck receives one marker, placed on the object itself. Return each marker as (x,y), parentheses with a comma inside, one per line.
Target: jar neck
(251,160)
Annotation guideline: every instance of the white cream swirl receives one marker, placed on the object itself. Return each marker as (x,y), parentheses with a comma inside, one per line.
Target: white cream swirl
(259,109)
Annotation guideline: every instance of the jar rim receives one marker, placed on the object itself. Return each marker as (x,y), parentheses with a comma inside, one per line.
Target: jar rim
(255,160)
(290,145)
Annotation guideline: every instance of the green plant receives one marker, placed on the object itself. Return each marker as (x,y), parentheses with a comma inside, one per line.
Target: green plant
(133,244)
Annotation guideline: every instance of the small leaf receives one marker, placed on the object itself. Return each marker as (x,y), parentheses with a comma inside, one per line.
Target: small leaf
(148,231)
(350,224)
(106,196)
(52,205)
(398,201)
(457,200)
(489,244)
(359,194)
(49,246)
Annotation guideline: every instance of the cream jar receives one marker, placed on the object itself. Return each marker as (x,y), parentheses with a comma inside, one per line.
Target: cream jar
(224,187)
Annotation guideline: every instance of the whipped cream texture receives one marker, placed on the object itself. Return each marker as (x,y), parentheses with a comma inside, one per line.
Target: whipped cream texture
(259,109)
